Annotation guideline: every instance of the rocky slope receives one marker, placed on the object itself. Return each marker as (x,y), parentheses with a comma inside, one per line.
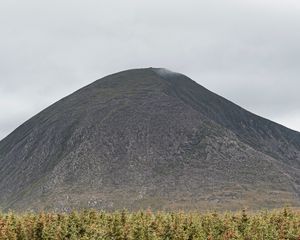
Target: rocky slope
(148,138)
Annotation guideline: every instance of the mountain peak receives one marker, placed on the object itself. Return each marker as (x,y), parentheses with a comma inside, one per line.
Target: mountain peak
(148,138)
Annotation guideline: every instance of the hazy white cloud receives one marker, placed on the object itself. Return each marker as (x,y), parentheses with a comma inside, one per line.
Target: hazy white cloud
(248,51)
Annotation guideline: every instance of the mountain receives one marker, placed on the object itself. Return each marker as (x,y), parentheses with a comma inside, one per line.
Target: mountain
(148,138)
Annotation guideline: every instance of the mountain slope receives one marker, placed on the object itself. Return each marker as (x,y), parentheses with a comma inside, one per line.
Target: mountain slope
(148,138)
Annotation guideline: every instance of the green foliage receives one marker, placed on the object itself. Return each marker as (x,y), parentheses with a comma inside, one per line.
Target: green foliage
(146,225)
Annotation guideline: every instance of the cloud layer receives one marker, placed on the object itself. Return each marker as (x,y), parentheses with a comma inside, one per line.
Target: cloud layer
(247,51)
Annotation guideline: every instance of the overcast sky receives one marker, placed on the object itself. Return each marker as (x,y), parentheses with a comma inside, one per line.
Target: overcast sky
(245,50)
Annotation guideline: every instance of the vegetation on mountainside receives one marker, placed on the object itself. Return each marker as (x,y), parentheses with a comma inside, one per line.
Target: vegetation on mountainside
(283,224)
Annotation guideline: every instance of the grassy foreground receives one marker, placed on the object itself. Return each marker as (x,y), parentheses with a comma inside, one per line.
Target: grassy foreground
(283,224)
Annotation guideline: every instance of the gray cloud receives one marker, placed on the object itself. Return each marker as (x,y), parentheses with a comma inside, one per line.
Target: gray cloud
(248,51)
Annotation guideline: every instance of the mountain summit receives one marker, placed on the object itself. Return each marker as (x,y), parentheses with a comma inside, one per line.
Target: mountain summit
(148,138)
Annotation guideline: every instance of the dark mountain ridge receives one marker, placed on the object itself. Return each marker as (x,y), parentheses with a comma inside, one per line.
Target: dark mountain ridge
(148,138)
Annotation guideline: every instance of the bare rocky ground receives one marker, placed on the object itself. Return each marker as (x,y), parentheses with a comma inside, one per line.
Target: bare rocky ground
(148,138)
